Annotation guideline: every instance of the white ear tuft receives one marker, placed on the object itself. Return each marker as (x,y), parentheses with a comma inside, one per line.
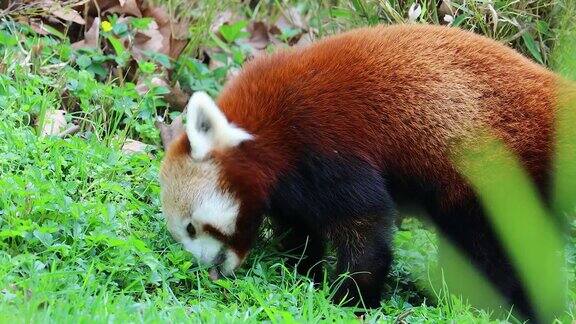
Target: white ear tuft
(236,135)
(208,129)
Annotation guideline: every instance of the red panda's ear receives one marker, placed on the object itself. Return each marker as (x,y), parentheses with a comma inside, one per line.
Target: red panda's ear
(208,129)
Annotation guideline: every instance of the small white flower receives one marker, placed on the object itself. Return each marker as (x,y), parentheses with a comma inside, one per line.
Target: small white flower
(449,19)
(414,12)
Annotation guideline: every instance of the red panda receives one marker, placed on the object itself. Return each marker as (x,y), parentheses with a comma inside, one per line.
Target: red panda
(328,138)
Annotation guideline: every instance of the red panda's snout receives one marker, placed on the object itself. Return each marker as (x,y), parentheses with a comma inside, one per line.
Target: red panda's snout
(199,214)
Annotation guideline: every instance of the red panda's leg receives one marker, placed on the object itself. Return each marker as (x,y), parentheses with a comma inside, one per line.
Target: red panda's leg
(364,256)
(306,247)
(347,201)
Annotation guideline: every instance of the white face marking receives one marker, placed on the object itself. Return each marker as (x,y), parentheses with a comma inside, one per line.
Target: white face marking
(191,195)
(203,247)
(231,262)
(208,129)
(217,208)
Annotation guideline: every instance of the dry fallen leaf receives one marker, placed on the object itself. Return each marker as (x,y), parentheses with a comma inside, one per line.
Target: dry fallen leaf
(96,7)
(305,39)
(148,40)
(180,29)
(131,146)
(38,26)
(129,7)
(158,13)
(67,14)
(291,18)
(91,36)
(179,37)
(445,8)
(259,36)
(224,17)
(177,98)
(164,27)
(142,87)
(54,122)
(176,47)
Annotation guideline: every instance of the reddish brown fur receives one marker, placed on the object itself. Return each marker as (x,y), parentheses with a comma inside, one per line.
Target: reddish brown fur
(394,96)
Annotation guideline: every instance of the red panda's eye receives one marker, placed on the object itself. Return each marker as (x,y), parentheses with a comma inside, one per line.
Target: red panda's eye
(190,229)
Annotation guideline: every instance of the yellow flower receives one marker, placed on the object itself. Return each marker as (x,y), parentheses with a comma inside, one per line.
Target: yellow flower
(106,26)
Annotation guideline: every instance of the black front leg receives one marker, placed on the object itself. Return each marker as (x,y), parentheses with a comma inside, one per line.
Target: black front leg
(307,247)
(364,255)
(346,199)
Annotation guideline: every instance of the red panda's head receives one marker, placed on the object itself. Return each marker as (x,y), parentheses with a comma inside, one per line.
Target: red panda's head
(201,213)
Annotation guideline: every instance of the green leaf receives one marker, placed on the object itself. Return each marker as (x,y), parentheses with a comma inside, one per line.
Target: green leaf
(459,20)
(531,45)
(160,58)
(83,61)
(146,67)
(117,45)
(234,31)
(121,54)
(53,31)
(7,39)
(520,219)
(340,13)
(542,27)
(120,28)
(98,69)
(140,23)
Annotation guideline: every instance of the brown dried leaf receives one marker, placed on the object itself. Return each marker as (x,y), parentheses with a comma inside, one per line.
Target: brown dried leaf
(128,7)
(38,26)
(158,13)
(291,18)
(54,122)
(259,36)
(166,33)
(180,30)
(67,14)
(177,98)
(445,8)
(163,22)
(95,7)
(91,36)
(224,17)
(168,132)
(305,39)
(176,47)
(150,39)
(175,33)
(142,86)
(131,146)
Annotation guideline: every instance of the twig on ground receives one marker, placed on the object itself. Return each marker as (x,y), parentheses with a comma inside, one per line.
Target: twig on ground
(70,131)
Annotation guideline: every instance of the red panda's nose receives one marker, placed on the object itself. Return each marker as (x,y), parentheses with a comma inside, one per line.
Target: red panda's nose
(215,273)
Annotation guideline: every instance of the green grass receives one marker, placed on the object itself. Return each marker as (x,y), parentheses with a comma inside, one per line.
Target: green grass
(82,237)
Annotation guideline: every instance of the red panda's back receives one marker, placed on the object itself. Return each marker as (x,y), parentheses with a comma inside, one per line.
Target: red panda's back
(396,96)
